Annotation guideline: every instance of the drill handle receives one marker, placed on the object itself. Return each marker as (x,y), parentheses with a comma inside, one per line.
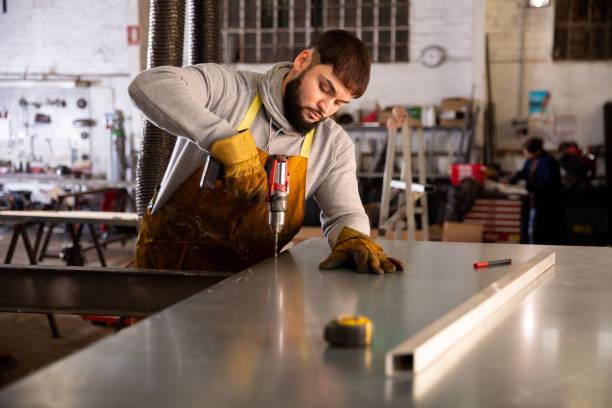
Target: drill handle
(278,175)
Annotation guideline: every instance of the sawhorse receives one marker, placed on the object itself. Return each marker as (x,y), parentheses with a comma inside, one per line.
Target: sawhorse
(20,229)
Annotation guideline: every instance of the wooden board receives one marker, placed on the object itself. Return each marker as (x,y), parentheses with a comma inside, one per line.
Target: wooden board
(74,217)
(420,350)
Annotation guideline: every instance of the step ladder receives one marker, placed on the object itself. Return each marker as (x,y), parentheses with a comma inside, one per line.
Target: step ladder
(414,198)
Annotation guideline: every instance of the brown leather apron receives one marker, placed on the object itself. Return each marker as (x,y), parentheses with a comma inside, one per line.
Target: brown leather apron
(203,229)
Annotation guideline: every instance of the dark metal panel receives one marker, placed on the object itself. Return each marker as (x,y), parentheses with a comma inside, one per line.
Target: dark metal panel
(84,290)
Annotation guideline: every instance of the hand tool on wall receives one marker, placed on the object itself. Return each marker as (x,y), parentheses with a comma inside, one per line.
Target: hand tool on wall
(85,122)
(278,193)
(42,118)
(56,102)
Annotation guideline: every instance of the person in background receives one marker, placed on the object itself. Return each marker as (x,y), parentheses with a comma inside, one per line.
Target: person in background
(545,208)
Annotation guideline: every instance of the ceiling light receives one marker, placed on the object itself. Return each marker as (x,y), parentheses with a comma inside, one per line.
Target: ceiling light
(539,3)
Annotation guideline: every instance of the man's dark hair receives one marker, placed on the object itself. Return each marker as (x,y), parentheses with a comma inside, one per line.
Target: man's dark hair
(533,144)
(348,56)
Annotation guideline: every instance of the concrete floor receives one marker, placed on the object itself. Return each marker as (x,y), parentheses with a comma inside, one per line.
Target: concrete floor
(27,337)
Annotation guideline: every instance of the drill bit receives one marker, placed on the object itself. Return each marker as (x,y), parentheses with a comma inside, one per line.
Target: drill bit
(275,245)
(277,220)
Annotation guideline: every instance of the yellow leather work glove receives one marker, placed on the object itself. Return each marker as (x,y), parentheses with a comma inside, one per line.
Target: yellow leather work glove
(244,174)
(356,250)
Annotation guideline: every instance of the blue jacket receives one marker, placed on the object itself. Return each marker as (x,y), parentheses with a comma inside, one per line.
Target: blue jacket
(544,186)
(546,180)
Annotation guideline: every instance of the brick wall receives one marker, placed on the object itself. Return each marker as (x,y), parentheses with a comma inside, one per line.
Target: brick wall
(448,23)
(64,36)
(504,22)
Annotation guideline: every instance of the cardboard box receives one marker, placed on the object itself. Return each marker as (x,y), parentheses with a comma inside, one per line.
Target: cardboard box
(460,232)
(453,112)
(384,115)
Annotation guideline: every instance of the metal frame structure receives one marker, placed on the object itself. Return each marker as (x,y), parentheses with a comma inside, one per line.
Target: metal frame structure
(75,222)
(567,23)
(124,198)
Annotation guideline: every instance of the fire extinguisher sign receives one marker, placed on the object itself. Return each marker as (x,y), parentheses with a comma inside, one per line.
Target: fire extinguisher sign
(133,34)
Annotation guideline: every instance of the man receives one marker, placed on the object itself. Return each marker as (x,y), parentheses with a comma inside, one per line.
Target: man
(241,118)
(545,208)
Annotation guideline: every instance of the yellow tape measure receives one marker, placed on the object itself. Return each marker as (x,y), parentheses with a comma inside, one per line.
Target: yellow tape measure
(349,331)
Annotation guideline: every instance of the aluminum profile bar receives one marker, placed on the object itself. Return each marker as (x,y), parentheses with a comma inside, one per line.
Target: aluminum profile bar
(419,351)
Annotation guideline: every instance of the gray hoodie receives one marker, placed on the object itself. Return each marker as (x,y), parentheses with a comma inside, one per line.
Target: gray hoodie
(204,103)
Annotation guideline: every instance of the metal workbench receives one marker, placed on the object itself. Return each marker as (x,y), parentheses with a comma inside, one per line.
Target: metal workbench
(74,220)
(256,339)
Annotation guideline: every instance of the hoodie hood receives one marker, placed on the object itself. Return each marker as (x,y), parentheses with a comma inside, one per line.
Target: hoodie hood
(271,92)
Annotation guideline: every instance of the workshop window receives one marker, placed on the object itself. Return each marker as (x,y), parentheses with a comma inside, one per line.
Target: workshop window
(583,30)
(267,31)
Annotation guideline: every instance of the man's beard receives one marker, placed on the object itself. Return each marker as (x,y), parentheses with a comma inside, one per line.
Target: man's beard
(293,109)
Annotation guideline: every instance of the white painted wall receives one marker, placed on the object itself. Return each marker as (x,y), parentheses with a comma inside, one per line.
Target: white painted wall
(447,23)
(578,88)
(64,38)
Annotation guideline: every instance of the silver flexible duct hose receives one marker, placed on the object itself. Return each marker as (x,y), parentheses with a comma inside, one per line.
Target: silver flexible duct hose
(205,31)
(166,37)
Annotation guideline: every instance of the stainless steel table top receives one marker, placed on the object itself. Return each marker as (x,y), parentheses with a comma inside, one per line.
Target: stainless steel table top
(256,339)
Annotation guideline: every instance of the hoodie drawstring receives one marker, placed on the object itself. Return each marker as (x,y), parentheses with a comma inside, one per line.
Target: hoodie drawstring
(270,137)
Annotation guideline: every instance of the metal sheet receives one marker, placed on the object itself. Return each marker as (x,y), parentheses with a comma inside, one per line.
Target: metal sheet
(256,339)
(85,290)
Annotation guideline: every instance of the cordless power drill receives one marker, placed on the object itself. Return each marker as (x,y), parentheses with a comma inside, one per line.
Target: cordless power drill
(278,193)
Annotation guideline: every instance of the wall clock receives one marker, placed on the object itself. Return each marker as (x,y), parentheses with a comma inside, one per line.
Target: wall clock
(433,56)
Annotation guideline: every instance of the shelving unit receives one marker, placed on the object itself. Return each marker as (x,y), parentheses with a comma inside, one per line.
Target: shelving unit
(443,146)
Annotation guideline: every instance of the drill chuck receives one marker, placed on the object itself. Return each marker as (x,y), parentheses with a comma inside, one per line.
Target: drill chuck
(277,220)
